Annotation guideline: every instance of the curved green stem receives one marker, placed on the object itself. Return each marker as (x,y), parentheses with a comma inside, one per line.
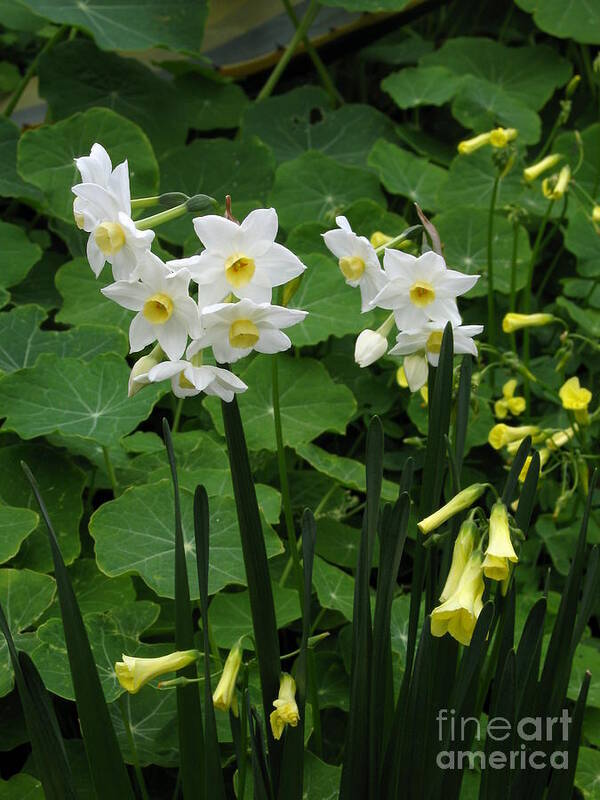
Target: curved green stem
(110,471)
(134,754)
(177,415)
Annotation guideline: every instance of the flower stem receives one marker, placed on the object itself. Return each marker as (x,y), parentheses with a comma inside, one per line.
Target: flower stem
(31,69)
(490,265)
(161,217)
(513,280)
(145,202)
(301,31)
(134,754)
(177,415)
(110,471)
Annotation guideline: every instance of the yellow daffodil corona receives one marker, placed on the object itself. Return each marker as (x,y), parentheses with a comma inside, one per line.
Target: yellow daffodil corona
(502,434)
(535,170)
(286,710)
(224,696)
(133,673)
(509,404)
(500,549)
(458,614)
(577,399)
(459,502)
(514,322)
(463,547)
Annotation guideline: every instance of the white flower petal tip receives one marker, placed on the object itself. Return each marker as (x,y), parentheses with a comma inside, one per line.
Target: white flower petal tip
(370,347)
(188,380)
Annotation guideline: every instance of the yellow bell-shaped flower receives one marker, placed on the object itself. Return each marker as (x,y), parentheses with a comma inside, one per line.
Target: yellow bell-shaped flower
(535,170)
(459,502)
(577,399)
(458,614)
(554,187)
(133,673)
(224,696)
(501,434)
(500,549)
(463,547)
(286,710)
(509,404)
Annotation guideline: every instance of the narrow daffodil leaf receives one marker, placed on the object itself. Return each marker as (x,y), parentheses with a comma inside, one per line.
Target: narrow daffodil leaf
(512,481)
(561,783)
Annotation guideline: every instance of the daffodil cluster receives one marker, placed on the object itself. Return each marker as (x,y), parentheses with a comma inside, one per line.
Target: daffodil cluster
(234,274)
(419,291)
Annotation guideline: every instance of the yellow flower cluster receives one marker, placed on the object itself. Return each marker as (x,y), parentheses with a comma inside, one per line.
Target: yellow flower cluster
(509,404)
(555,186)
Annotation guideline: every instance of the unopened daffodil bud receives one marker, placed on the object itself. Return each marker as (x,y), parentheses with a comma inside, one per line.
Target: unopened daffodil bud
(460,502)
(577,399)
(553,188)
(500,137)
(372,345)
(544,454)
(509,403)
(380,239)
(459,613)
(133,673)
(501,434)
(463,547)
(535,170)
(468,146)
(500,549)
(514,322)
(141,368)
(224,696)
(286,710)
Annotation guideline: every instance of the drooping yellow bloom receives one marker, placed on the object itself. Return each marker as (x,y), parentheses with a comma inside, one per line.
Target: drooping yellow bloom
(133,673)
(514,322)
(463,547)
(509,403)
(459,502)
(554,189)
(576,398)
(500,549)
(458,614)
(224,696)
(535,170)
(286,710)
(502,434)
(500,137)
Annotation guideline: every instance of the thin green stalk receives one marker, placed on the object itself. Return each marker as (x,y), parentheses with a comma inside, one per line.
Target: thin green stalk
(161,217)
(134,754)
(31,70)
(513,281)
(490,265)
(110,471)
(550,139)
(301,31)
(283,481)
(549,271)
(320,67)
(177,415)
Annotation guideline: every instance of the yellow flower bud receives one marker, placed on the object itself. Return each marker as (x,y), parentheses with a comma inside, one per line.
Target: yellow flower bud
(380,239)
(459,502)
(469,146)
(133,673)
(554,190)
(141,368)
(535,170)
(286,711)
(458,614)
(500,137)
(463,547)
(224,696)
(575,398)
(502,434)
(500,549)
(514,322)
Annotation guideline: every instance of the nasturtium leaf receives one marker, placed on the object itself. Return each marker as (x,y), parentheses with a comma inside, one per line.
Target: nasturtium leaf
(582,240)
(95,591)
(11,184)
(76,75)
(210,101)
(347,471)
(334,587)
(399,623)
(464,233)
(587,174)
(216,167)
(15,525)
(401,46)
(530,74)
(16,17)
(481,105)
(405,174)
(22,340)
(61,484)
(38,287)
(471,180)
(567,19)
(45,156)
(372,6)
(375,393)
(71,396)
(333,681)
(321,780)
(230,616)
(17,254)
(314,186)
(310,402)
(587,773)
(82,300)
(302,120)
(131,24)
(560,543)
(135,534)
(586,318)
(24,596)
(22,787)
(110,634)
(421,86)
(337,542)
(586,658)
(142,442)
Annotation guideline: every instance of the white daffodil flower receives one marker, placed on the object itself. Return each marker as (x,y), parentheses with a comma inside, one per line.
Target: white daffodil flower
(241,259)
(233,330)
(166,312)
(423,345)
(188,380)
(357,259)
(421,289)
(113,234)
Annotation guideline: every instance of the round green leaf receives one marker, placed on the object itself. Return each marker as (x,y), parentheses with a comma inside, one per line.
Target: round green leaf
(17,254)
(135,534)
(567,19)
(334,587)
(95,591)
(310,402)
(70,396)
(83,301)
(587,775)
(15,525)
(405,174)
(210,101)
(421,86)
(22,787)
(45,155)
(11,184)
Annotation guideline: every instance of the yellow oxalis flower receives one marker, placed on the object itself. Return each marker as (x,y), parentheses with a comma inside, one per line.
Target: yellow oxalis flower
(463,547)
(459,502)
(509,403)
(501,434)
(535,170)
(514,322)
(224,696)
(286,711)
(576,398)
(554,188)
(500,549)
(133,673)
(458,614)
